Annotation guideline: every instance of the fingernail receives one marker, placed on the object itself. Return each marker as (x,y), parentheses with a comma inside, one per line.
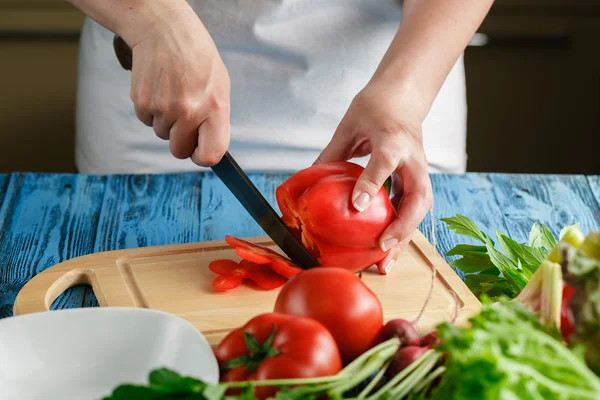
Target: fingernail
(389,265)
(362,201)
(388,244)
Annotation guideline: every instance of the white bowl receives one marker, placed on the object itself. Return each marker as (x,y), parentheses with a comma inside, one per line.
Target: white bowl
(85,353)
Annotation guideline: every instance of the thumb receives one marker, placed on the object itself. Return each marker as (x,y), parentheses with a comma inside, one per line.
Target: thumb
(213,140)
(380,166)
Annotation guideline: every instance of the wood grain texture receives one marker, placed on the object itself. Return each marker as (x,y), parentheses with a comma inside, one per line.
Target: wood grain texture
(148,210)
(44,220)
(222,214)
(594,182)
(470,195)
(176,279)
(555,200)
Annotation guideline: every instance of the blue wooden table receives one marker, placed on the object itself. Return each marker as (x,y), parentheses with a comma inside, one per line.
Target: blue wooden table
(46,219)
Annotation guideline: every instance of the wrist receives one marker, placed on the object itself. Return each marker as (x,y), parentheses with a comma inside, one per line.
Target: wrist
(404,94)
(148,18)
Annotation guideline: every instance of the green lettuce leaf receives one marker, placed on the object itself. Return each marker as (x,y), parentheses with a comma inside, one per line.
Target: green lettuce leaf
(507,353)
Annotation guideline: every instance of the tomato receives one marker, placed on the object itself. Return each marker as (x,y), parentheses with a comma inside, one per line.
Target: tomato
(263,255)
(231,274)
(277,346)
(340,301)
(316,204)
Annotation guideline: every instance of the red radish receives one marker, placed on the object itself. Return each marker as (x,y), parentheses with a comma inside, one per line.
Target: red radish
(405,356)
(403,330)
(431,339)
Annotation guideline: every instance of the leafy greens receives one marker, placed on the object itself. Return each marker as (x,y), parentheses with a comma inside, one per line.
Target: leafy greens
(494,273)
(507,353)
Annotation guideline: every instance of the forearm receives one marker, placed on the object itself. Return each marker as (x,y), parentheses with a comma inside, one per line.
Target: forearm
(131,19)
(431,37)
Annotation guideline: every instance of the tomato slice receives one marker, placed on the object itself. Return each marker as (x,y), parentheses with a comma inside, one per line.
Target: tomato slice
(225,267)
(226,282)
(263,276)
(259,254)
(231,274)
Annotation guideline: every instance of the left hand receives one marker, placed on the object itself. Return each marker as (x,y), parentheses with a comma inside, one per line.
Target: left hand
(384,122)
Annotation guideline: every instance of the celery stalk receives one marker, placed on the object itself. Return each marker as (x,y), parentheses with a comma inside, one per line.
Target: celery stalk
(543,292)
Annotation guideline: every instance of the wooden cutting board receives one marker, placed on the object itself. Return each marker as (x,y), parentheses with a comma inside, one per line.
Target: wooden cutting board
(176,279)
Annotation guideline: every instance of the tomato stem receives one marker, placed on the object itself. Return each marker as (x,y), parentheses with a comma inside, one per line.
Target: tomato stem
(257,352)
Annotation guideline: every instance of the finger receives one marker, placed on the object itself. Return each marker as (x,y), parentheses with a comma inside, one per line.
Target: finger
(162,125)
(380,166)
(397,184)
(416,201)
(184,138)
(213,139)
(384,266)
(146,117)
(338,148)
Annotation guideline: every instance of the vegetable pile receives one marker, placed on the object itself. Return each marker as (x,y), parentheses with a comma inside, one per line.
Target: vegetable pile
(537,335)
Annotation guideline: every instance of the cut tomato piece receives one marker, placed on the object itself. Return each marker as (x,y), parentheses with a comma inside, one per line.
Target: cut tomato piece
(224,267)
(263,276)
(231,274)
(226,282)
(263,255)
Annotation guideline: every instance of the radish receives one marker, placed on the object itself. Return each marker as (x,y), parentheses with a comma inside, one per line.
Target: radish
(404,357)
(431,339)
(403,330)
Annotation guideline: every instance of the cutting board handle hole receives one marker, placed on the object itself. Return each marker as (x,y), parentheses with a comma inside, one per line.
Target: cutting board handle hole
(73,282)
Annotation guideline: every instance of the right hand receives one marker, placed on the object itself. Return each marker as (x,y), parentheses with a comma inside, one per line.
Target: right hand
(181,87)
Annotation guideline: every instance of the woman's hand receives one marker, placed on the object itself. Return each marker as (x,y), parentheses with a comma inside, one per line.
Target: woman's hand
(180,87)
(384,122)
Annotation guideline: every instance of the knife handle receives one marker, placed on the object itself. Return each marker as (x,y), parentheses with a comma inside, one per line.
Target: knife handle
(123,52)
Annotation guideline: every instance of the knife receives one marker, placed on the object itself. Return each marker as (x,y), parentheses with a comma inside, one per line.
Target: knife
(244,190)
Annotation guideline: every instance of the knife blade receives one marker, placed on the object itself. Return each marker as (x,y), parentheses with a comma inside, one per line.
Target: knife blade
(244,190)
(259,208)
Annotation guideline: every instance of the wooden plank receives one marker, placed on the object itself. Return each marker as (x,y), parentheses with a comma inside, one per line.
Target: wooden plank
(555,200)
(176,279)
(470,195)
(222,214)
(44,220)
(148,210)
(594,182)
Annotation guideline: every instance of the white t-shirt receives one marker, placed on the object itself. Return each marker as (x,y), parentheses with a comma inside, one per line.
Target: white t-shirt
(295,67)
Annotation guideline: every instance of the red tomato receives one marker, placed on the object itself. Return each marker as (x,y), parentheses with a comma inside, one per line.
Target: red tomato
(316,204)
(279,347)
(340,301)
